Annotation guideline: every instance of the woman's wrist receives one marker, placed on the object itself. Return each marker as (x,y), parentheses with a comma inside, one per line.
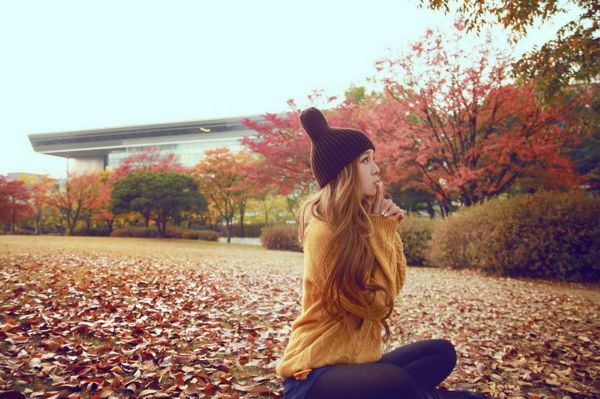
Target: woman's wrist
(384,223)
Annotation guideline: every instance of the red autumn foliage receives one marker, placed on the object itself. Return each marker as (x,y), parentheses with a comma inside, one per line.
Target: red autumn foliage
(150,159)
(466,132)
(13,202)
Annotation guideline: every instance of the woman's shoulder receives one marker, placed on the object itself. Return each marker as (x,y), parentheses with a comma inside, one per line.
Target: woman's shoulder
(318,229)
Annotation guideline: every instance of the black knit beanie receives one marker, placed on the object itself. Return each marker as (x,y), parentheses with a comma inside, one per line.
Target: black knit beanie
(332,148)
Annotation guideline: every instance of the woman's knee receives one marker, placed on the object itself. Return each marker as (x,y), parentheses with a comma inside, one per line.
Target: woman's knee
(448,351)
(364,381)
(391,381)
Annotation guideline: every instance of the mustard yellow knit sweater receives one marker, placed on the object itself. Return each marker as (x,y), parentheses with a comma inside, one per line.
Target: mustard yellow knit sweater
(316,339)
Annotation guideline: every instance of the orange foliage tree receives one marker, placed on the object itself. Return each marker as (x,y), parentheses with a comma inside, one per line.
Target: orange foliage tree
(102,211)
(80,192)
(226,179)
(40,199)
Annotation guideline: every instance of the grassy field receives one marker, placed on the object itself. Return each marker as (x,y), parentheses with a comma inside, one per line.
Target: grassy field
(127,317)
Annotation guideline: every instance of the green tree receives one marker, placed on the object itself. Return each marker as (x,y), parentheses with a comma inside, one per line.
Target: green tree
(160,195)
(132,194)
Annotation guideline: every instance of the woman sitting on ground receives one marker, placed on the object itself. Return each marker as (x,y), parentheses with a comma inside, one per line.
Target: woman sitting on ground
(354,267)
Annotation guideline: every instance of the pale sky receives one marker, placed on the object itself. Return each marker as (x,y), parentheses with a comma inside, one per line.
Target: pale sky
(74,65)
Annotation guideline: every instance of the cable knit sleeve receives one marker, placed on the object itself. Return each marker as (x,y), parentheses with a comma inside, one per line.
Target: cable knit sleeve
(401,265)
(388,249)
(389,253)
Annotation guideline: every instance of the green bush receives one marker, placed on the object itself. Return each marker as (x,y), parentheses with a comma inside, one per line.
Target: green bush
(416,236)
(547,235)
(282,236)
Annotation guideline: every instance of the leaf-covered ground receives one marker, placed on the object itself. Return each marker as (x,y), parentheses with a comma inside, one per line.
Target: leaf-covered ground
(108,317)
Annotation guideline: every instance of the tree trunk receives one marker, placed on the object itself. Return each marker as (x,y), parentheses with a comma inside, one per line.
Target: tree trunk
(88,221)
(242,212)
(266,213)
(228,227)
(430,210)
(38,223)
(443,209)
(13,221)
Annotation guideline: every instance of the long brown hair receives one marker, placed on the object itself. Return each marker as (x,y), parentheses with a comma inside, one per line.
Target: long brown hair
(339,204)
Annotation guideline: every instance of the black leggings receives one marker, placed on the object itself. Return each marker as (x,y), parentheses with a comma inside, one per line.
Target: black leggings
(399,374)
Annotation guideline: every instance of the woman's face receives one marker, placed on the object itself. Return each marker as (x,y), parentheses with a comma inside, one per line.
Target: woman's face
(368,173)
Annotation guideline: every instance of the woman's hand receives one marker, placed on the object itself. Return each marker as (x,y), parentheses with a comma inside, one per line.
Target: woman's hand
(384,207)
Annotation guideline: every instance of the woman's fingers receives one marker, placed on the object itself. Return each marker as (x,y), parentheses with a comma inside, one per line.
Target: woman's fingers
(393,212)
(387,206)
(396,213)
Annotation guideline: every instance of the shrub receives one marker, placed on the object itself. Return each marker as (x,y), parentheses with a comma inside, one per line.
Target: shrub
(207,235)
(84,231)
(416,236)
(283,236)
(449,239)
(22,232)
(250,230)
(547,234)
(132,231)
(172,232)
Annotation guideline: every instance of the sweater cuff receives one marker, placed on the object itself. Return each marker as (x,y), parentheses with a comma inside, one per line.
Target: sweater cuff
(382,223)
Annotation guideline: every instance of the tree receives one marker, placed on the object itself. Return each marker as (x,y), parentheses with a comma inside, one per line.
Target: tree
(586,157)
(13,202)
(285,148)
(40,199)
(572,57)
(161,196)
(132,194)
(151,159)
(172,193)
(102,212)
(79,192)
(269,209)
(225,181)
(466,133)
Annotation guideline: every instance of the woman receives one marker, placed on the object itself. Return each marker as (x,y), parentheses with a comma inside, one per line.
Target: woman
(354,267)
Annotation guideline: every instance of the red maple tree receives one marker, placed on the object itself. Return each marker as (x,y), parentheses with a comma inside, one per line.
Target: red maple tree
(151,159)
(13,202)
(460,130)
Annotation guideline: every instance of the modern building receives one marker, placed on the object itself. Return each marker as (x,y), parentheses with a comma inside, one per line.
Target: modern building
(99,149)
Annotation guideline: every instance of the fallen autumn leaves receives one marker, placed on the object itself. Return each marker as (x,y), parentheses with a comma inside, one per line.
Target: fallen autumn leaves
(211,322)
